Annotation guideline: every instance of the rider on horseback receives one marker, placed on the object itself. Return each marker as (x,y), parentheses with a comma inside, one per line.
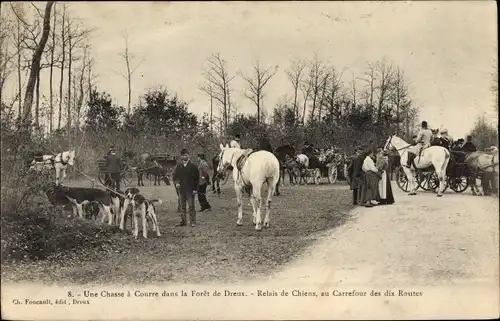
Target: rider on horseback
(422,141)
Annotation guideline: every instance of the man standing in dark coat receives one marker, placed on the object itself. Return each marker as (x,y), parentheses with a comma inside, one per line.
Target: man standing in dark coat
(355,174)
(114,168)
(187,179)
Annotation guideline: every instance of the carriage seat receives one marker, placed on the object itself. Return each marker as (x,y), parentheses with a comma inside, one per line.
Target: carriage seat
(243,158)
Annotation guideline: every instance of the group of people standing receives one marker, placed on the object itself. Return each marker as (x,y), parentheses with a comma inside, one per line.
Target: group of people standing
(369,181)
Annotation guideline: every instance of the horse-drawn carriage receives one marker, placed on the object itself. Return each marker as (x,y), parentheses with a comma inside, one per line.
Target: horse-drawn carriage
(144,164)
(126,174)
(457,174)
(325,163)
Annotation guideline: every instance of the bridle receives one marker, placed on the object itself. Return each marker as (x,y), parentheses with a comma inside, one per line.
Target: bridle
(389,143)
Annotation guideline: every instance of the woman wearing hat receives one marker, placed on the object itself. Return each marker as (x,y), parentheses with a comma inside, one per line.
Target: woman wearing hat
(446,139)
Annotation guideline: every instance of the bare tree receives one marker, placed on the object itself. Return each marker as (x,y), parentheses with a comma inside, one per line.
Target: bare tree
(76,34)
(399,97)
(316,80)
(354,91)
(208,90)
(296,74)
(18,10)
(51,75)
(305,88)
(130,70)
(6,65)
(385,75)
(369,79)
(217,76)
(334,93)
(35,64)
(256,84)
(62,65)
(494,87)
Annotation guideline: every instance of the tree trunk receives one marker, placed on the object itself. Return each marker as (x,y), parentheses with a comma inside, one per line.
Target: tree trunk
(63,58)
(211,110)
(70,58)
(19,81)
(35,64)
(51,94)
(37,102)
(295,95)
(129,80)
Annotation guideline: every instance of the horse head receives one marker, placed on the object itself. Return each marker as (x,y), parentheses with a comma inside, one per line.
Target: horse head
(388,144)
(68,157)
(225,158)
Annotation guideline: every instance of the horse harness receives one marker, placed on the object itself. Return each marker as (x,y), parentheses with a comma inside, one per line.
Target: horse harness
(39,159)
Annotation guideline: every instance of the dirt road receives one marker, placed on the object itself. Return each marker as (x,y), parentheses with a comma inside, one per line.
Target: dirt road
(447,248)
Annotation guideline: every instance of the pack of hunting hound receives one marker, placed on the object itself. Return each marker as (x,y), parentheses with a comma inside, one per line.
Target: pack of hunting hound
(434,165)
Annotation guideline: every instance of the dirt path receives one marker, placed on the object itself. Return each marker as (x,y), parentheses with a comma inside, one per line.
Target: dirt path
(447,248)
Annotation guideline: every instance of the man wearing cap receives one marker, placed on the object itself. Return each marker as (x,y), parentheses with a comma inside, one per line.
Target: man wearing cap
(186,178)
(422,141)
(114,168)
(469,146)
(204,169)
(235,143)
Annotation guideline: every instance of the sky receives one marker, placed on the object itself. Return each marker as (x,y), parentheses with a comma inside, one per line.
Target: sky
(448,50)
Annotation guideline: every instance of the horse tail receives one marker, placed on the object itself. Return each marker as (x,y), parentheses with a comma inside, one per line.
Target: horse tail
(446,161)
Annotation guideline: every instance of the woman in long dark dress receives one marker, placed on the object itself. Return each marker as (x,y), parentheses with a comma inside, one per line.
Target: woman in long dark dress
(384,191)
(372,177)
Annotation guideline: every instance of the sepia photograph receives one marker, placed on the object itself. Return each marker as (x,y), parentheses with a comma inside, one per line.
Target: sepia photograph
(249,160)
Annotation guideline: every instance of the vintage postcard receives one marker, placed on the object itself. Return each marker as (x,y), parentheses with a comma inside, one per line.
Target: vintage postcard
(260,160)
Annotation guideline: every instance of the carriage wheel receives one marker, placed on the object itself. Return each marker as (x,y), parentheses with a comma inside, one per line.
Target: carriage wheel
(432,183)
(402,180)
(458,184)
(346,176)
(427,181)
(127,176)
(317,176)
(102,177)
(332,174)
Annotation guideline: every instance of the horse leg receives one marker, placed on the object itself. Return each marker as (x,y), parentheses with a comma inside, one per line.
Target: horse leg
(268,205)
(411,181)
(254,209)
(239,196)
(258,203)
(441,173)
(277,186)
(472,183)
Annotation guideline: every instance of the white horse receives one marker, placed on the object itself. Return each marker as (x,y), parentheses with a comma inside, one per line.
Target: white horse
(259,167)
(436,156)
(59,162)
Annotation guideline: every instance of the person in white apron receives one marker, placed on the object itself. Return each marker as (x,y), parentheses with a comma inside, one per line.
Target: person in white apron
(385,195)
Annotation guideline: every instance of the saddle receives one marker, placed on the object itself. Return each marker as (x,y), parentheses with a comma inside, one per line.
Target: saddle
(243,158)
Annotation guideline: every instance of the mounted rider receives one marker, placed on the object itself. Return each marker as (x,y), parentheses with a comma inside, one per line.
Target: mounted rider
(307,149)
(422,141)
(235,143)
